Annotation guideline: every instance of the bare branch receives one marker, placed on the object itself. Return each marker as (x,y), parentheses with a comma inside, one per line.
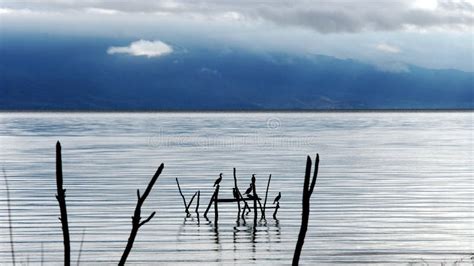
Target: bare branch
(182,196)
(266,196)
(307,192)
(191,201)
(197,203)
(148,219)
(61,197)
(136,224)
(315,175)
(210,204)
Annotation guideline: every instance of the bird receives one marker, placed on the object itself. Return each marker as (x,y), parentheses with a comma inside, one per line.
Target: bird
(218,180)
(253,179)
(236,195)
(277,199)
(247,192)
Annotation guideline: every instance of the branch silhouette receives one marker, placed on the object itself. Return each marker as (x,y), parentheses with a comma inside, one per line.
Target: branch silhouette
(307,192)
(61,197)
(136,218)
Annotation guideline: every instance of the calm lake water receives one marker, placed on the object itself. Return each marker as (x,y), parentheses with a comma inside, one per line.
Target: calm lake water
(394,188)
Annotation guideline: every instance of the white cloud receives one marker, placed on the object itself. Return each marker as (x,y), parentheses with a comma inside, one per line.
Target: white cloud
(425,4)
(10,11)
(142,48)
(387,48)
(102,11)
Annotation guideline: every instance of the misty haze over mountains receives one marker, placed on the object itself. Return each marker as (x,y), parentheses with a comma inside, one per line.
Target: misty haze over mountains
(79,74)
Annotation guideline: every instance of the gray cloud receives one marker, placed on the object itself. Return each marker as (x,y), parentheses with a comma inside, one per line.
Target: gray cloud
(319,15)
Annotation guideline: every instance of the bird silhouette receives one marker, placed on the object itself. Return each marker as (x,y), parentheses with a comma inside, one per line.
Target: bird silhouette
(218,180)
(277,199)
(236,195)
(249,190)
(253,178)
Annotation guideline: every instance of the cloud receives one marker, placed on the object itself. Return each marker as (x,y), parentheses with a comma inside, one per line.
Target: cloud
(101,11)
(142,48)
(387,48)
(429,33)
(319,15)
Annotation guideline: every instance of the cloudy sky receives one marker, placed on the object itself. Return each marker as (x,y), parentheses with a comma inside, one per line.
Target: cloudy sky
(387,33)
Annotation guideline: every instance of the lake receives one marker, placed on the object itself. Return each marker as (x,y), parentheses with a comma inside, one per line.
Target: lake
(393,187)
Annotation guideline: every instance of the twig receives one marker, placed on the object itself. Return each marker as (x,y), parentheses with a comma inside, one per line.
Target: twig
(246,206)
(254,201)
(216,206)
(236,192)
(307,192)
(61,197)
(136,218)
(80,247)
(197,205)
(260,206)
(191,201)
(210,204)
(184,199)
(276,211)
(10,226)
(266,196)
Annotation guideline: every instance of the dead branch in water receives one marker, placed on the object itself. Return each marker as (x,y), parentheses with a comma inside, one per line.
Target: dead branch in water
(80,248)
(186,205)
(9,209)
(184,199)
(191,201)
(136,218)
(61,197)
(254,201)
(197,203)
(210,204)
(236,193)
(307,192)
(216,206)
(276,211)
(239,194)
(266,196)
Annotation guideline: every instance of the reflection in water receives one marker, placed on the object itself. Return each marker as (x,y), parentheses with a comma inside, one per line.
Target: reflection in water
(244,236)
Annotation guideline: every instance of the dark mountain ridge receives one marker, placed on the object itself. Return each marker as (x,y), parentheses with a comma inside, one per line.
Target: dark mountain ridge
(78,74)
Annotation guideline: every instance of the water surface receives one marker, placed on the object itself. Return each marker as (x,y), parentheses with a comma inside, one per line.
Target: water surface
(393,188)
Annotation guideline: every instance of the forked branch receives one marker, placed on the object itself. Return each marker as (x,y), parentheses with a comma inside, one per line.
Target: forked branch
(307,192)
(136,218)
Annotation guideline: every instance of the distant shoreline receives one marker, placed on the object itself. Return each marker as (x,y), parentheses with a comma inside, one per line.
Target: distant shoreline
(247,111)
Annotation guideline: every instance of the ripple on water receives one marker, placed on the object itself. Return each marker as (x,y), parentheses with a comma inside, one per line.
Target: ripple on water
(393,188)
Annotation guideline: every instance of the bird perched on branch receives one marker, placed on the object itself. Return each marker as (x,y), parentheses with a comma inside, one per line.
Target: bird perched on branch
(236,195)
(277,199)
(218,180)
(249,190)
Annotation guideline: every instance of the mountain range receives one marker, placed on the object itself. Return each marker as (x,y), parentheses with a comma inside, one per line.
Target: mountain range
(78,74)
